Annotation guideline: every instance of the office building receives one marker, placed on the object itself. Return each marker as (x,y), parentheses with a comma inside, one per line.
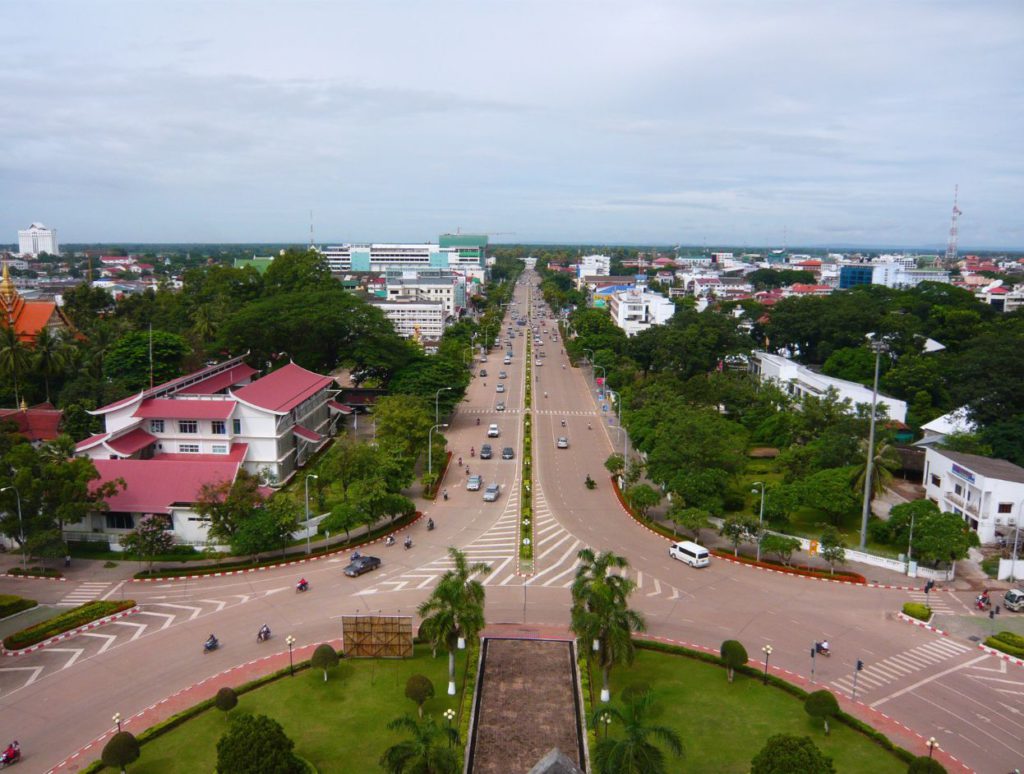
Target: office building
(37,239)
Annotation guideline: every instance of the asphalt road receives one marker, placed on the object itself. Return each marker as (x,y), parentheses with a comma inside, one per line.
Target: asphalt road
(61,698)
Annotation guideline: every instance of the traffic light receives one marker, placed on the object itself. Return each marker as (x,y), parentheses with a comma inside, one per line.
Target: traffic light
(929,586)
(860,665)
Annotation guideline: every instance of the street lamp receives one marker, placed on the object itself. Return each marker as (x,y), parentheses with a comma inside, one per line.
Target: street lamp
(21,524)
(878,347)
(449,716)
(430,447)
(309,549)
(767,650)
(606,720)
(437,396)
(932,744)
(117,721)
(290,641)
(760,518)
(625,435)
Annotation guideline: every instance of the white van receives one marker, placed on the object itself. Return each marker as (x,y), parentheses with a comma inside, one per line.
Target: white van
(691,553)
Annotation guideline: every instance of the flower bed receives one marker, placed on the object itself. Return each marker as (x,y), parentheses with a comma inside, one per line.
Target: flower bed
(65,622)
(430,492)
(10,604)
(525,499)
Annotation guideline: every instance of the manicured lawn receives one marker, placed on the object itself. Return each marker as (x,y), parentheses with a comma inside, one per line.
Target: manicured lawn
(340,725)
(724,725)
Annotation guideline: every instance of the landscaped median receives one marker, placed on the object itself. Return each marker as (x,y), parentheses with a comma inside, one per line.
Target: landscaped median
(525,495)
(11,605)
(83,616)
(917,610)
(1008,642)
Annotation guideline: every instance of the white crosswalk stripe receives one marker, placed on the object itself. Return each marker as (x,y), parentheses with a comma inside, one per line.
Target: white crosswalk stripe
(937,602)
(902,664)
(84,592)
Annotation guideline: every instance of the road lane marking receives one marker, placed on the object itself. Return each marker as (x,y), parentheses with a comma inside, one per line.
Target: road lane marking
(108,640)
(925,681)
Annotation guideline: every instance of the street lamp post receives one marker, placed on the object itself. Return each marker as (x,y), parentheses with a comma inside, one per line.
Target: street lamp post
(767,650)
(430,447)
(21,524)
(932,744)
(290,641)
(309,548)
(437,396)
(760,519)
(117,721)
(606,721)
(449,716)
(625,435)
(878,347)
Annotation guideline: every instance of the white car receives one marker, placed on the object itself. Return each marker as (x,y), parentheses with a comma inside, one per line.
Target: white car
(500,388)
(493,431)
(538,362)
(562,443)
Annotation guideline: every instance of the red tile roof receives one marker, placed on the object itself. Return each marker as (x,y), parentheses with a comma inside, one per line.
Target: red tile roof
(38,423)
(153,486)
(129,443)
(168,408)
(306,434)
(236,453)
(284,389)
(91,441)
(220,381)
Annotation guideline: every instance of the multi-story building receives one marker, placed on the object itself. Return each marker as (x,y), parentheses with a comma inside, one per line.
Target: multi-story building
(799,381)
(413,317)
(988,493)
(594,266)
(892,274)
(37,239)
(448,287)
(639,308)
(460,252)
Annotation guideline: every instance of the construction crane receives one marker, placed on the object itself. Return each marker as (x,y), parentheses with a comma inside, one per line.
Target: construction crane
(458,231)
(954,229)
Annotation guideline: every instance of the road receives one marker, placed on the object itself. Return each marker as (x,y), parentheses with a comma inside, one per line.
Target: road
(59,699)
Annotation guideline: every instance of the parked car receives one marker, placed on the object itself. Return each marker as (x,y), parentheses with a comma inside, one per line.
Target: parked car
(1014,600)
(361,565)
(562,443)
(507,453)
(491,493)
(499,406)
(473,483)
(486,452)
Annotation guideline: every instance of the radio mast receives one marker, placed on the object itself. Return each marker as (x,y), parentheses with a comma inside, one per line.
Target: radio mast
(954,229)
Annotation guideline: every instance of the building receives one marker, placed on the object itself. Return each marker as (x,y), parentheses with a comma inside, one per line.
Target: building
(988,493)
(38,424)
(460,252)
(37,239)
(594,266)
(799,381)
(29,317)
(448,287)
(934,433)
(639,308)
(413,317)
(166,442)
(892,274)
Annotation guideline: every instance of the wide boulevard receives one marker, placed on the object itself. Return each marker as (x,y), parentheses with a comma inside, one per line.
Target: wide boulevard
(61,698)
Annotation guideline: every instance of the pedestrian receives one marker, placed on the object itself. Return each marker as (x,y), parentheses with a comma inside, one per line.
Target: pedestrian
(445,495)
(67,560)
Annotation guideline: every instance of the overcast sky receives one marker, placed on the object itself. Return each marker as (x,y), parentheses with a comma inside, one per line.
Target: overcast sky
(717,122)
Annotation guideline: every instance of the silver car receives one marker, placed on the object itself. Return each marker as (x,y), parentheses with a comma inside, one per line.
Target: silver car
(473,483)
(491,493)
(563,442)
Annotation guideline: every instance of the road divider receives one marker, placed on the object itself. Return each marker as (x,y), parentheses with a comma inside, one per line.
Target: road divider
(66,625)
(526,535)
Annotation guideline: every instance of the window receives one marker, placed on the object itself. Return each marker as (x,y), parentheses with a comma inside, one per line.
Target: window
(188,426)
(220,448)
(958,489)
(156,425)
(120,521)
(1005,507)
(236,426)
(188,448)
(936,481)
(219,428)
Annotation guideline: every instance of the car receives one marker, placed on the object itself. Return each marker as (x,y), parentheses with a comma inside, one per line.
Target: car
(502,375)
(363,564)
(562,443)
(493,431)
(539,362)
(473,483)
(483,358)
(499,406)
(483,372)
(500,387)
(486,452)
(507,453)
(507,360)
(1014,600)
(491,493)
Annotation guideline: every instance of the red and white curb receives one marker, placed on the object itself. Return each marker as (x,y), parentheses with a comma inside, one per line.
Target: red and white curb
(1001,655)
(71,633)
(16,576)
(911,620)
(276,565)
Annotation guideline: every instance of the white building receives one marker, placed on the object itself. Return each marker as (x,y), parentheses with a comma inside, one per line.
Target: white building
(988,493)
(414,318)
(891,274)
(799,380)
(37,239)
(638,309)
(448,287)
(936,431)
(594,266)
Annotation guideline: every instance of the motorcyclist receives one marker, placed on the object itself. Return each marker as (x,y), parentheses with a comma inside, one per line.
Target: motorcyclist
(408,541)
(389,540)
(302,585)
(264,633)
(478,420)
(12,753)
(430,524)
(444,494)
(472,451)
(823,647)
(211,642)
(460,462)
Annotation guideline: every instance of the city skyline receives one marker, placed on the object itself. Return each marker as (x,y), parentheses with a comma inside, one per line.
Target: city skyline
(736,123)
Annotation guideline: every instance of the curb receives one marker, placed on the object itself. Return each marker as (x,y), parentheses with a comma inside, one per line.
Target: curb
(32,577)
(1001,655)
(908,619)
(264,568)
(72,632)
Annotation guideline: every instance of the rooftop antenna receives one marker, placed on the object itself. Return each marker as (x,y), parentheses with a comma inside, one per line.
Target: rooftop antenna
(954,229)
(311,242)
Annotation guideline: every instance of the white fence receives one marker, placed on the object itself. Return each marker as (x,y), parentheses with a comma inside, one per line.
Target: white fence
(1008,567)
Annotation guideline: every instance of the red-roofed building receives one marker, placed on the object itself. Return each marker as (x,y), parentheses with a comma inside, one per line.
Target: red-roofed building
(799,289)
(37,423)
(28,318)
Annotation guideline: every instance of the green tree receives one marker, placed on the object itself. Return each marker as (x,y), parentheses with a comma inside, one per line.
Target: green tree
(297,270)
(226,699)
(943,537)
(324,657)
(151,538)
(634,752)
(403,424)
(15,358)
(822,705)
(692,520)
(829,491)
(925,765)
(121,749)
(737,530)
(833,548)
(268,527)
(734,655)
(225,505)
(429,751)
(256,744)
(418,688)
(49,356)
(615,464)
(782,546)
(343,516)
(128,360)
(642,497)
(785,754)
(884,463)
(600,612)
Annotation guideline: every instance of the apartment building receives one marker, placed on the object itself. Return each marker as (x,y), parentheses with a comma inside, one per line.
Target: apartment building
(414,317)
(638,309)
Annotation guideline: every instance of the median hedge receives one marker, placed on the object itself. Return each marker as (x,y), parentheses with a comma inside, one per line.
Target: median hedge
(36,572)
(1008,642)
(10,604)
(72,619)
(917,610)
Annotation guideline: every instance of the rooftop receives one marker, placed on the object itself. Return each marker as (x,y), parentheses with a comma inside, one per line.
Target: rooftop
(990,467)
(153,486)
(283,389)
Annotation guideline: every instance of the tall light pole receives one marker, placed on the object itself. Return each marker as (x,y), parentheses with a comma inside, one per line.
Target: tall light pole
(437,396)
(309,549)
(625,435)
(878,346)
(430,448)
(760,519)
(21,524)
(290,642)
(117,721)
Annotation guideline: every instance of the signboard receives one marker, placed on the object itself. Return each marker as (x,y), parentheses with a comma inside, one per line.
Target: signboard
(600,380)
(813,548)
(376,636)
(964,473)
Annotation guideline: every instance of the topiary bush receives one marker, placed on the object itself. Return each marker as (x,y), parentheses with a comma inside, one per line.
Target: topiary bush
(419,689)
(122,749)
(1008,642)
(226,699)
(734,655)
(917,610)
(324,657)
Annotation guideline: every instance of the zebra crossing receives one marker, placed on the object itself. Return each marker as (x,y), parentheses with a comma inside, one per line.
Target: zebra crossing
(908,662)
(937,602)
(84,592)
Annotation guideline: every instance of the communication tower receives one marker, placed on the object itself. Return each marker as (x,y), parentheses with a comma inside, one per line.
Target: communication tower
(954,229)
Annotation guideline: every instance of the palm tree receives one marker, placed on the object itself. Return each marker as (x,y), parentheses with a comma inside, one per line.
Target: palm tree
(600,613)
(426,752)
(49,356)
(455,609)
(885,462)
(14,357)
(633,753)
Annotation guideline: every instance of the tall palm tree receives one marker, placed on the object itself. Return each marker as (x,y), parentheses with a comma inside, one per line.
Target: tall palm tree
(430,751)
(884,463)
(633,752)
(49,356)
(455,609)
(15,357)
(600,613)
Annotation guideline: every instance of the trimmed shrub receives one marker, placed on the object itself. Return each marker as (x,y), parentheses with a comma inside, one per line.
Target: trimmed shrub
(785,754)
(226,699)
(917,610)
(419,689)
(926,765)
(256,743)
(324,657)
(64,622)
(822,705)
(1008,642)
(122,749)
(734,655)
(11,604)
(36,572)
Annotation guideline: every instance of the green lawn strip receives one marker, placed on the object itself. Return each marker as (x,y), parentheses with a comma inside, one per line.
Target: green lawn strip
(338,725)
(724,725)
(11,604)
(66,621)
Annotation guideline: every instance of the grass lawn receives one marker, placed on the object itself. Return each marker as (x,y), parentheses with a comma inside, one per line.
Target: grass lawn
(723,726)
(339,726)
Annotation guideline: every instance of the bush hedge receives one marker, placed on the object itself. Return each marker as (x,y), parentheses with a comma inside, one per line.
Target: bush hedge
(10,604)
(64,622)
(36,572)
(917,610)
(1008,642)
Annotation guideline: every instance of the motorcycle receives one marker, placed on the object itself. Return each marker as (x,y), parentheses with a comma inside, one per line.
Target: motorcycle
(563,423)
(263,634)
(983,602)
(430,524)
(408,543)
(389,540)
(10,756)
(821,650)
(211,644)
(478,420)
(472,451)
(589,483)
(302,585)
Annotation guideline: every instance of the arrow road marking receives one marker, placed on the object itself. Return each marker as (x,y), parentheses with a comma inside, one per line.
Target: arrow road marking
(108,640)
(168,618)
(219,603)
(76,652)
(34,670)
(139,627)
(657,588)
(195,610)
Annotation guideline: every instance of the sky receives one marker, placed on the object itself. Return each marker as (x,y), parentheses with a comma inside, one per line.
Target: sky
(760,122)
